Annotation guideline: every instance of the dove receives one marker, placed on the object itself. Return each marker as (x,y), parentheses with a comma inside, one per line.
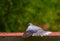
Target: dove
(34,30)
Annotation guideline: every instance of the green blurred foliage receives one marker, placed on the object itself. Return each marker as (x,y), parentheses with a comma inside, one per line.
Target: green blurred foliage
(16,14)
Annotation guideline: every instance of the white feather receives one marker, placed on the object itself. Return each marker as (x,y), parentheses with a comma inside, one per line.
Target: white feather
(34,28)
(39,31)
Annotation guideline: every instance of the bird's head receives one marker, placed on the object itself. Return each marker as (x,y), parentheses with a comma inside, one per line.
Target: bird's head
(27,34)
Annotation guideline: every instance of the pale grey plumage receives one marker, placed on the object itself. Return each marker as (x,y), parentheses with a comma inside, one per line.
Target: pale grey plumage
(36,31)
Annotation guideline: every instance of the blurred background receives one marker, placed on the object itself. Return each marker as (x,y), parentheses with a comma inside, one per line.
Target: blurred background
(16,14)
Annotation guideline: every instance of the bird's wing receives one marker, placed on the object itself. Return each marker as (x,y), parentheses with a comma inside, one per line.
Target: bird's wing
(43,33)
(34,28)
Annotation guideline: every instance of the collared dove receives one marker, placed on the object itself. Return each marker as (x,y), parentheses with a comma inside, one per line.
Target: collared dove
(33,30)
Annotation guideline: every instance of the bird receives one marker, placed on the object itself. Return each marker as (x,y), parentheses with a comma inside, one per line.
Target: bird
(34,30)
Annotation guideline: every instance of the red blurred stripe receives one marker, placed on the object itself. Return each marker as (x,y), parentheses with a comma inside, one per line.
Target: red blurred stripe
(21,34)
(54,34)
(11,34)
